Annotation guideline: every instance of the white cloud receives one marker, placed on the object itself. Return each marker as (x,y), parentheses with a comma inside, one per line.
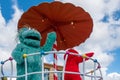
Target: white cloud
(8,34)
(113,76)
(8,31)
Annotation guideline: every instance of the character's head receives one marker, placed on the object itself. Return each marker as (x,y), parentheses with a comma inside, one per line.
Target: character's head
(71,51)
(29,37)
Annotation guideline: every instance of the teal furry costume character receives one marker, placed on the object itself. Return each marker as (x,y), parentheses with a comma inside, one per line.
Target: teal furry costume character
(30,43)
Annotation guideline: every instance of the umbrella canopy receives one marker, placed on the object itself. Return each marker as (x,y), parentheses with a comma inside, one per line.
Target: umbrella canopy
(72,24)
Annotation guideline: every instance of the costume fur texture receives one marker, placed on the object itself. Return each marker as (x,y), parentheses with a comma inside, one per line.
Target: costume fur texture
(30,43)
(72,64)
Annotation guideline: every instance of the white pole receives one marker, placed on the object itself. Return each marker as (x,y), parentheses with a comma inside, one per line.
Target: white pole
(64,66)
(95,70)
(25,56)
(91,76)
(100,73)
(83,68)
(55,75)
(11,69)
(42,67)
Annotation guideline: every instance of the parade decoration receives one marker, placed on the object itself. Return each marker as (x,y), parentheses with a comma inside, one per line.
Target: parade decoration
(72,24)
(91,74)
(68,24)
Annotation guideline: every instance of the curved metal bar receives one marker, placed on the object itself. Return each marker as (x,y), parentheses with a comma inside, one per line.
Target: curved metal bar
(2,70)
(11,69)
(97,66)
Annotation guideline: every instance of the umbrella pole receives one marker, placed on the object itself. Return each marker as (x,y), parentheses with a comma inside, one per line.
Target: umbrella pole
(55,76)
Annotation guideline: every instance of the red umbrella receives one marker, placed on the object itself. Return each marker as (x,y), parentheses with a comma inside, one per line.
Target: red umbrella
(72,24)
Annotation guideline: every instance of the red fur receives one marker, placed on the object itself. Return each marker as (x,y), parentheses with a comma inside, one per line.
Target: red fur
(72,64)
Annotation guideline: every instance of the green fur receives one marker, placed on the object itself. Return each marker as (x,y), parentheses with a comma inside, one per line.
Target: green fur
(30,43)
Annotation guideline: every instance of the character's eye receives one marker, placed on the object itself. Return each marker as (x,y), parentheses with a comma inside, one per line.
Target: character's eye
(32,37)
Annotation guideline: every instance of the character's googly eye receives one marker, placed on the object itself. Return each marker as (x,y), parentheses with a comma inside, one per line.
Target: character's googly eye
(29,28)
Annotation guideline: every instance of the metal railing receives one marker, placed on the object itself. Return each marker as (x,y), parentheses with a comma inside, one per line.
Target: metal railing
(91,74)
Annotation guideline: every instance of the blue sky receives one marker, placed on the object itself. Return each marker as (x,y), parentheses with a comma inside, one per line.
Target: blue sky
(7,9)
(114,66)
(106,20)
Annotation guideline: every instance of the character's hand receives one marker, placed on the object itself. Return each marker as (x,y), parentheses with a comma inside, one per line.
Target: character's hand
(52,35)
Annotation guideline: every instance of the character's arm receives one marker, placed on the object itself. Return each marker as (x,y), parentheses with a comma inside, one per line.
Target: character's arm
(49,42)
(80,58)
(17,54)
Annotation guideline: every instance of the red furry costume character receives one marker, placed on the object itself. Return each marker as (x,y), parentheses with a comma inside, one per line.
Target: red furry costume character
(72,64)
